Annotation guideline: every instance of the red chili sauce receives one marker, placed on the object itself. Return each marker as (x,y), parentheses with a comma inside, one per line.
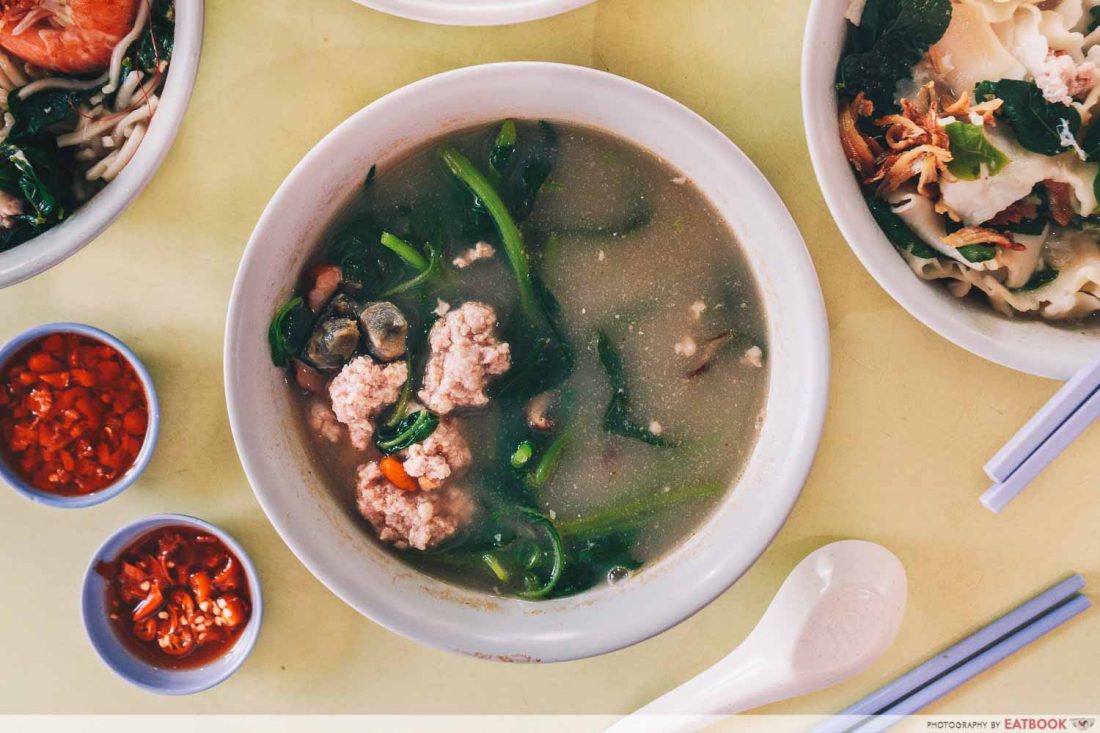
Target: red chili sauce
(73,414)
(178,596)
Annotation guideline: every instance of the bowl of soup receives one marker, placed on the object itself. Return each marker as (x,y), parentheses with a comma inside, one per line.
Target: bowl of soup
(482,12)
(526,361)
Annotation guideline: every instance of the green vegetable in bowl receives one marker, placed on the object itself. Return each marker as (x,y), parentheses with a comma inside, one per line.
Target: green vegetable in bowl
(1041,278)
(619,418)
(503,146)
(970,150)
(978,252)
(893,35)
(1039,125)
(414,428)
(897,231)
(289,331)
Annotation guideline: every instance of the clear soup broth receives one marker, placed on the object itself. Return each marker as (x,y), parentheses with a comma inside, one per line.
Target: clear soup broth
(595,454)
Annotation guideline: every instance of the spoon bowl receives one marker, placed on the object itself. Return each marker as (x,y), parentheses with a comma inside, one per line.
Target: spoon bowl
(836,613)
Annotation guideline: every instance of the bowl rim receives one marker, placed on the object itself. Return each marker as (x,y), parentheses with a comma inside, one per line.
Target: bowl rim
(152,432)
(475,12)
(92,218)
(982,331)
(128,533)
(553,642)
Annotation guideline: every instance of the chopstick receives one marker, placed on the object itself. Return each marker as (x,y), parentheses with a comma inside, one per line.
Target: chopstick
(962,661)
(999,494)
(977,664)
(1055,412)
(1057,424)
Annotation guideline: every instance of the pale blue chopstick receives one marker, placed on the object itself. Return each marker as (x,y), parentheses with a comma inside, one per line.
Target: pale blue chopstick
(999,494)
(976,665)
(1055,412)
(953,656)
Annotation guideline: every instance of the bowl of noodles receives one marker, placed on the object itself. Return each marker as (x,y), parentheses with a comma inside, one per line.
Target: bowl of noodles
(92,93)
(957,145)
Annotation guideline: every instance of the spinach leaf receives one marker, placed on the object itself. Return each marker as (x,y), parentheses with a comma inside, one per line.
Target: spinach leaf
(970,150)
(1094,19)
(628,515)
(883,52)
(158,41)
(1037,280)
(1090,143)
(20,175)
(531,164)
(896,230)
(414,428)
(289,331)
(619,418)
(425,276)
(549,462)
(38,111)
(504,144)
(978,252)
(522,455)
(594,560)
(1038,124)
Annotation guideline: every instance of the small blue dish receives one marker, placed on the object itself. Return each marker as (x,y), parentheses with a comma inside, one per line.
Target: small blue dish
(144,455)
(140,672)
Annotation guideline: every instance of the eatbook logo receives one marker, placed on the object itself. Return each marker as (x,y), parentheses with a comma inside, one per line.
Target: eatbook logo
(1083,723)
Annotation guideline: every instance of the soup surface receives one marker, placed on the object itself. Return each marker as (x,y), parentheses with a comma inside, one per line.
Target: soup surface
(597,416)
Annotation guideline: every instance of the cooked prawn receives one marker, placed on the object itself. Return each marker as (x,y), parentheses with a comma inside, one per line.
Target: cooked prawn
(66,36)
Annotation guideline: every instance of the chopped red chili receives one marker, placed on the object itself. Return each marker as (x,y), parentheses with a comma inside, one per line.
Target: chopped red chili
(177,596)
(73,414)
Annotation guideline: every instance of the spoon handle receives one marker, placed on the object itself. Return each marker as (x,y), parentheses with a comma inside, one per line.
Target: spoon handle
(733,685)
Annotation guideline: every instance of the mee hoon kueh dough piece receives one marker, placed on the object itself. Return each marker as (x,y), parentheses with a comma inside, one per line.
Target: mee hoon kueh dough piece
(971,52)
(980,200)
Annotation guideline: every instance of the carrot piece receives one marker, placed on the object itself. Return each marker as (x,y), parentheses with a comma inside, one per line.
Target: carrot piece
(394,471)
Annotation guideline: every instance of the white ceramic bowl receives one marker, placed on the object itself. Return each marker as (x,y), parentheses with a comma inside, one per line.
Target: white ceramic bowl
(474,12)
(1027,345)
(338,547)
(89,221)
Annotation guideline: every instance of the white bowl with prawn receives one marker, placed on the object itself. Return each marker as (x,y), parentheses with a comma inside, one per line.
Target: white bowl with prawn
(338,546)
(1023,343)
(479,12)
(127,176)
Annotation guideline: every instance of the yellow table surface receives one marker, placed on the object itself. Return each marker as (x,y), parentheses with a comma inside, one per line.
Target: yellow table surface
(912,418)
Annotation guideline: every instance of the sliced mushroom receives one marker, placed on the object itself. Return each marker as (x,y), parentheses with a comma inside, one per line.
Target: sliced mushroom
(333,343)
(386,329)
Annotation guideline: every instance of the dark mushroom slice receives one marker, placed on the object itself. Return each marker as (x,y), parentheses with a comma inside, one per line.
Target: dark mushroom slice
(333,343)
(342,305)
(386,329)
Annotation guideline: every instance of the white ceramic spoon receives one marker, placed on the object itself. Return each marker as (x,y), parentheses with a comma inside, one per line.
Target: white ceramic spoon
(835,614)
